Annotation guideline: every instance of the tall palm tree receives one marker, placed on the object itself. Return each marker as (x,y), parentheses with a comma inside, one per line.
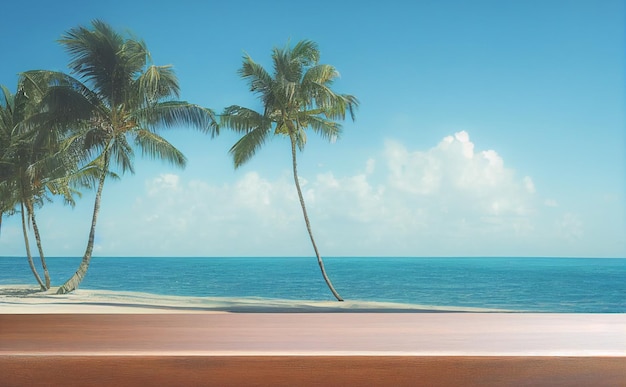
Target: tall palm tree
(296,97)
(20,184)
(7,192)
(118,98)
(31,164)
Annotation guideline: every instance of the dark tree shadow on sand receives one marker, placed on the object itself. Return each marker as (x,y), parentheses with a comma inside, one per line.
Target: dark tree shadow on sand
(18,292)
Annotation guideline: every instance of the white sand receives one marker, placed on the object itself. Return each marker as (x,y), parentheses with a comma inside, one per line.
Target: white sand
(24,299)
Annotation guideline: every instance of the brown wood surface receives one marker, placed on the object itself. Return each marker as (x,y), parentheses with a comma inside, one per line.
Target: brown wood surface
(308,349)
(309,371)
(316,334)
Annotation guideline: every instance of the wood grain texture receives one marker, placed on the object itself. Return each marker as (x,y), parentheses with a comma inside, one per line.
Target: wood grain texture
(311,349)
(472,334)
(309,371)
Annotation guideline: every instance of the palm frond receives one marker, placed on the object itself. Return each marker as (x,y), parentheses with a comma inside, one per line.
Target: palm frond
(259,80)
(315,90)
(96,167)
(289,63)
(104,59)
(155,84)
(325,128)
(63,186)
(248,144)
(6,119)
(95,138)
(64,107)
(306,52)
(323,74)
(122,153)
(7,98)
(337,109)
(157,147)
(177,113)
(300,138)
(135,56)
(88,175)
(241,119)
(41,81)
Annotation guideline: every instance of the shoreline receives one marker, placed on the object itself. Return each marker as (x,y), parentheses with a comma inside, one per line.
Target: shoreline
(28,299)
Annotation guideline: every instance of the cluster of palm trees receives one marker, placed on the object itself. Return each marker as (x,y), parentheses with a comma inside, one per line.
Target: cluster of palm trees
(60,133)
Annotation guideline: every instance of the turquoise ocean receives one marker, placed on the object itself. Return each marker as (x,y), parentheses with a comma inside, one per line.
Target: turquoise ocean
(565,285)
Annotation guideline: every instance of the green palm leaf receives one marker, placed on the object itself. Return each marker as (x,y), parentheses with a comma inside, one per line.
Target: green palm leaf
(255,126)
(155,84)
(177,113)
(156,147)
(242,119)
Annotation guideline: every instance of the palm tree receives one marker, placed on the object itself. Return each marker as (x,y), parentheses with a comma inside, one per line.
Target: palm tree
(7,192)
(297,97)
(31,164)
(20,185)
(117,99)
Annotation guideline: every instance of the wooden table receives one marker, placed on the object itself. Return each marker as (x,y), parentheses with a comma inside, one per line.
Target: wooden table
(317,349)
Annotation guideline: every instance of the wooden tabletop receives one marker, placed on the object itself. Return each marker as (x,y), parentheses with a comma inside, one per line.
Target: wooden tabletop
(313,349)
(379,334)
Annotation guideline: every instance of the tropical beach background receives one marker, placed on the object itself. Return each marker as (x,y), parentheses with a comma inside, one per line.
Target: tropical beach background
(484,130)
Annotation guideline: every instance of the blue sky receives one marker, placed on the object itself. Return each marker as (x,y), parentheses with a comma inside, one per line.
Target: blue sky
(486,128)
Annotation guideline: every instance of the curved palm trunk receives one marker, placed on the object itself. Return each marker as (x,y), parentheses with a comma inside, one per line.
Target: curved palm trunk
(72,283)
(46,274)
(306,219)
(28,255)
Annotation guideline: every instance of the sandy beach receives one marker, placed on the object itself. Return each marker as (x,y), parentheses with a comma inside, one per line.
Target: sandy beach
(127,339)
(25,299)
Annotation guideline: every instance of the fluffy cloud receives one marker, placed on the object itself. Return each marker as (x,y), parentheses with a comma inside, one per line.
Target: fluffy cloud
(452,199)
(570,226)
(197,218)
(447,200)
(451,176)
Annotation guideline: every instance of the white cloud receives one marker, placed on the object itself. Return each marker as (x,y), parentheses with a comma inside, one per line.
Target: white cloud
(248,217)
(163,182)
(370,166)
(529,185)
(550,203)
(451,199)
(459,178)
(448,199)
(570,226)
(416,173)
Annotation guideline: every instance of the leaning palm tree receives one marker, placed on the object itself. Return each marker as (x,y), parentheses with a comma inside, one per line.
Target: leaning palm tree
(15,189)
(296,97)
(21,187)
(118,98)
(31,164)
(15,185)
(7,192)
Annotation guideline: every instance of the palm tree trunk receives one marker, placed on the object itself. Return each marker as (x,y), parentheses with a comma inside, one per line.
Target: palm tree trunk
(28,255)
(71,284)
(306,219)
(46,274)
